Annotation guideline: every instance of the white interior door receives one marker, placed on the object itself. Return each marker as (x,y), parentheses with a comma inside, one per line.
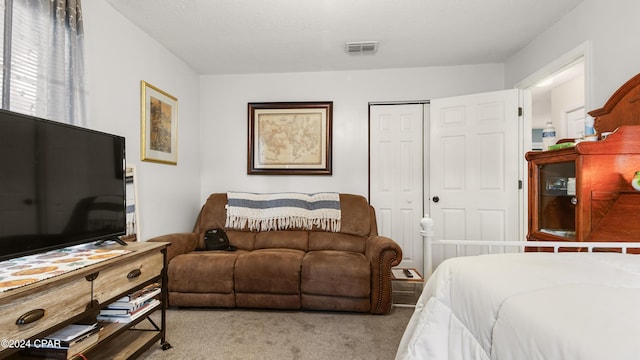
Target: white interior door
(396,182)
(575,123)
(474,167)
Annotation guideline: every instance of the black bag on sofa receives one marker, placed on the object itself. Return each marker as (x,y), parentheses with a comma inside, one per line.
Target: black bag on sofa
(216,239)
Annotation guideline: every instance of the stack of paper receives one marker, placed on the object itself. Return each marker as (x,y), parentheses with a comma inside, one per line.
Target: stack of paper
(131,307)
(66,342)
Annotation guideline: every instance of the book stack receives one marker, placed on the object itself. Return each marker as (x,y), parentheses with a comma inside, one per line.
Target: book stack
(66,343)
(132,306)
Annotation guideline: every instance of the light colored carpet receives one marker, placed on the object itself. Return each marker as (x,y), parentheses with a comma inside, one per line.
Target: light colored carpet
(264,334)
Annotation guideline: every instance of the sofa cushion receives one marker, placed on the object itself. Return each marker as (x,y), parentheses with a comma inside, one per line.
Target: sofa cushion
(320,240)
(356,215)
(241,239)
(336,273)
(212,215)
(202,272)
(286,239)
(269,271)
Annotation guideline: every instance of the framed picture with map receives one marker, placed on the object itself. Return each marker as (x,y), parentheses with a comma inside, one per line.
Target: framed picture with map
(290,138)
(158,125)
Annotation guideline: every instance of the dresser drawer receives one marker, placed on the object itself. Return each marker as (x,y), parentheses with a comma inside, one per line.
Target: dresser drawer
(59,303)
(126,275)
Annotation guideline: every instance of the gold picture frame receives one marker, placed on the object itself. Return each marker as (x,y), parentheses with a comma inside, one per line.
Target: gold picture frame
(158,124)
(290,138)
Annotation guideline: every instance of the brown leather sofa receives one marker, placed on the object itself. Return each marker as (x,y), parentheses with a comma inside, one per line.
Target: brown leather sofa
(348,270)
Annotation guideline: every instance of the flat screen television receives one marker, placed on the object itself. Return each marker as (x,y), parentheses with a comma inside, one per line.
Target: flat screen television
(60,185)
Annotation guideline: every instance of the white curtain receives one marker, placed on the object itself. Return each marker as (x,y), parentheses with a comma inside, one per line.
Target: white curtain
(47,60)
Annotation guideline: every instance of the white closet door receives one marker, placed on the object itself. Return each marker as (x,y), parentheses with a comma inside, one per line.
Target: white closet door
(396,181)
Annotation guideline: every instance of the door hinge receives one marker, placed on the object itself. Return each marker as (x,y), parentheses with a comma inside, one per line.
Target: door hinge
(519,184)
(519,111)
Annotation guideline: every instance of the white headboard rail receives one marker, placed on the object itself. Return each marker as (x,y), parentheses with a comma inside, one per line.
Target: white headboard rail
(427,234)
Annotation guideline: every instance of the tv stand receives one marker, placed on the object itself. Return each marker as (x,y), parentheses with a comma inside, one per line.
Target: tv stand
(116,239)
(49,305)
(120,241)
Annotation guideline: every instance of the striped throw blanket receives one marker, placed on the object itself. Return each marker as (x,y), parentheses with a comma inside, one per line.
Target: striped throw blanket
(281,211)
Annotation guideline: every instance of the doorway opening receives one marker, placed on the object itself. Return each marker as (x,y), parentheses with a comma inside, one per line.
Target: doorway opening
(559,95)
(563,101)
(560,99)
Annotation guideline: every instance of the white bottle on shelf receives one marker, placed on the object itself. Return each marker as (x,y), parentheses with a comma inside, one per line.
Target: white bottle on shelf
(548,136)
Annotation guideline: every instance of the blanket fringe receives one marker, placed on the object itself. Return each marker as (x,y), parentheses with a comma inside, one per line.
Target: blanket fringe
(282,223)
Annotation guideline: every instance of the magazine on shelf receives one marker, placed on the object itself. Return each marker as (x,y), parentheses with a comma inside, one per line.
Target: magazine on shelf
(112,312)
(131,315)
(128,303)
(142,292)
(66,343)
(72,332)
(126,312)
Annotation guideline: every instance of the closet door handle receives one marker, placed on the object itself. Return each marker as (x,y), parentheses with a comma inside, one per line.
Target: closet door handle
(435,199)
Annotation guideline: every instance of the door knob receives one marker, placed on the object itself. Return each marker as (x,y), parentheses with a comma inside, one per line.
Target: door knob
(435,199)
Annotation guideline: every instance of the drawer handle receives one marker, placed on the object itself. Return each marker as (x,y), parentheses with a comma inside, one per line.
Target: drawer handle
(93,276)
(31,316)
(134,274)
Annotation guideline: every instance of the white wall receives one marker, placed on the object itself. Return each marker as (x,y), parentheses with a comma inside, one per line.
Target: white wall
(118,55)
(223,108)
(541,111)
(610,27)
(565,98)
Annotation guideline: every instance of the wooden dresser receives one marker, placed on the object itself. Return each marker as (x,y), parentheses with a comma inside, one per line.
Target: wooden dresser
(33,311)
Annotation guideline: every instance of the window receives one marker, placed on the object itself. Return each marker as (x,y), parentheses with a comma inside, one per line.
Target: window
(42,59)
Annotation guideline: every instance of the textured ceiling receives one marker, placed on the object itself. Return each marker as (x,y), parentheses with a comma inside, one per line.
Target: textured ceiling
(265,36)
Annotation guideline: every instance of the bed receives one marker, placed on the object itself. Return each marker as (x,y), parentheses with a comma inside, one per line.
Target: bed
(573,306)
(580,304)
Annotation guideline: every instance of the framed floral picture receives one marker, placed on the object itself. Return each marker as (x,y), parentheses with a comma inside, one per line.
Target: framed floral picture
(289,138)
(159,125)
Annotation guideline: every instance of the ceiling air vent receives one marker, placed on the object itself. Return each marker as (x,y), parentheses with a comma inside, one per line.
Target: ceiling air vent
(361,47)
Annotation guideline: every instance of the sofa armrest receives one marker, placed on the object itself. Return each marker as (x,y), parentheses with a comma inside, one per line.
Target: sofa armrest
(383,254)
(181,243)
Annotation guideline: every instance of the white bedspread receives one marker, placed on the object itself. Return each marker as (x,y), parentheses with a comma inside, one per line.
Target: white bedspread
(528,306)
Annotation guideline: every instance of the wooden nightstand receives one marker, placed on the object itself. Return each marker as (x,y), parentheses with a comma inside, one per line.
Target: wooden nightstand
(406,290)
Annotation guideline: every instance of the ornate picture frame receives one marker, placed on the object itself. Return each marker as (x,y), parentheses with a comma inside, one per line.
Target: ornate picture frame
(290,138)
(158,124)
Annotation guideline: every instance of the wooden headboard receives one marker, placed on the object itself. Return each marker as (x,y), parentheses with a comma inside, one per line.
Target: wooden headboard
(622,108)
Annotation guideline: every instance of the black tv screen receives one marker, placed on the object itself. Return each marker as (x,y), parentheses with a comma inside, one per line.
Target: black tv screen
(60,185)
